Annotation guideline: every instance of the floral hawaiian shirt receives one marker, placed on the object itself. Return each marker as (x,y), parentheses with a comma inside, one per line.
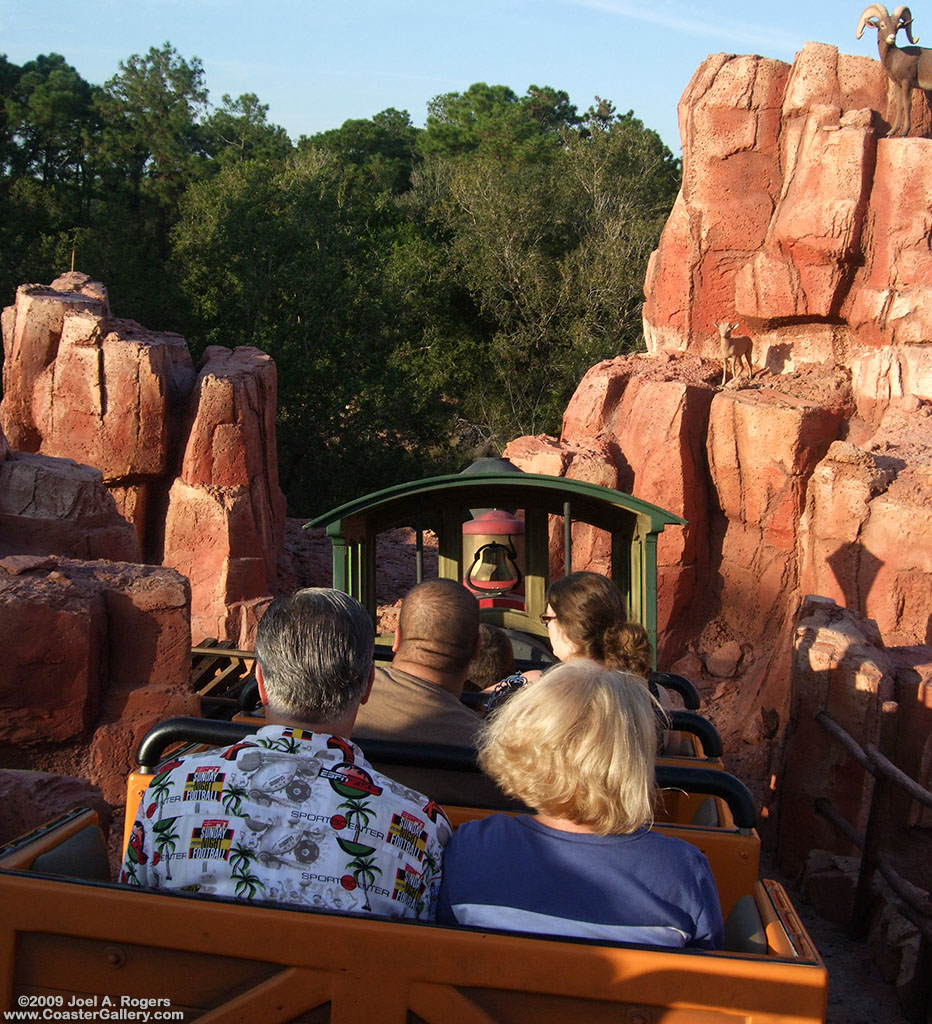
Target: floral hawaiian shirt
(293,817)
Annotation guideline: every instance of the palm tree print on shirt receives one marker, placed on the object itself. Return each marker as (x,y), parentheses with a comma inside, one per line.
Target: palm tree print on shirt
(364,871)
(357,814)
(247,884)
(165,838)
(159,787)
(233,797)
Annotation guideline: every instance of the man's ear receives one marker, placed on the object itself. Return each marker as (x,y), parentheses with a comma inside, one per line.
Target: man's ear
(368,688)
(260,679)
(397,642)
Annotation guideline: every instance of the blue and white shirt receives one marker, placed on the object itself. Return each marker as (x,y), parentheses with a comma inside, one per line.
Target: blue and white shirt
(517,874)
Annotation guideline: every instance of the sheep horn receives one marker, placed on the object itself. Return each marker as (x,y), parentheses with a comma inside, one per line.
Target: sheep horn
(903,18)
(876,11)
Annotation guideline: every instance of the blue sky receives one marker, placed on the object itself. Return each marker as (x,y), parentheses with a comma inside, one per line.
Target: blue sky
(318,62)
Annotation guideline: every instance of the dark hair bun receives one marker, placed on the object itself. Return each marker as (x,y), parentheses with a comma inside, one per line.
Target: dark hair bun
(626,648)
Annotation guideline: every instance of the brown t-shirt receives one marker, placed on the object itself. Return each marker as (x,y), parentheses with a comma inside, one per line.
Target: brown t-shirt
(405,708)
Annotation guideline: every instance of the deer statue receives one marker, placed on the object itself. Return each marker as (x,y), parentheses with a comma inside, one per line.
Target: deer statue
(734,351)
(909,67)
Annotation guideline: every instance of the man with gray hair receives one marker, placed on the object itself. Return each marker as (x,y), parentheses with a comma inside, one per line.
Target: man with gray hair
(294,813)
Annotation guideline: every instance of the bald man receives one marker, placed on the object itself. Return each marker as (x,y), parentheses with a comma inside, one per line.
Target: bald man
(417,698)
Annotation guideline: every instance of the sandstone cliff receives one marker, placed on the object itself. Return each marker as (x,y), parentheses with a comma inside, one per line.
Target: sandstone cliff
(801,221)
(798,219)
(95,653)
(122,450)
(114,451)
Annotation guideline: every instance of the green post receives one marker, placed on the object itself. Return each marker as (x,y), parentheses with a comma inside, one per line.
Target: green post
(340,581)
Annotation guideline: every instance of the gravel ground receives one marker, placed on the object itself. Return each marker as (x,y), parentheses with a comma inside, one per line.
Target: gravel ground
(856,992)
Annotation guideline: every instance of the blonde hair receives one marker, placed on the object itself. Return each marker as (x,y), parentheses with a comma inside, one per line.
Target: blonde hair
(591,612)
(579,744)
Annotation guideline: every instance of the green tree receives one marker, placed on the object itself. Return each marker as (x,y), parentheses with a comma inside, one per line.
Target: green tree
(46,123)
(551,250)
(239,130)
(495,121)
(49,113)
(151,141)
(34,245)
(618,185)
(382,147)
(9,76)
(148,150)
(302,263)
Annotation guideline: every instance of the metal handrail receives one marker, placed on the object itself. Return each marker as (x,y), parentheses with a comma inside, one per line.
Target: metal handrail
(213,732)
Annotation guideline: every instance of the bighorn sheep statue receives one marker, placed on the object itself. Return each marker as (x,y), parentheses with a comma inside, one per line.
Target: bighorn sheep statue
(908,67)
(734,351)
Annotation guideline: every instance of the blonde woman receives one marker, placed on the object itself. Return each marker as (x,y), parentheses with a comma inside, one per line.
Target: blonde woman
(578,747)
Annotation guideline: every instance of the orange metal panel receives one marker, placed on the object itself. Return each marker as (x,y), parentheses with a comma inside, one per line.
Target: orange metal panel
(20,858)
(236,963)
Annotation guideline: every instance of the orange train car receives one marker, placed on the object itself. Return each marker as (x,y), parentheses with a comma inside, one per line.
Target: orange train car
(68,934)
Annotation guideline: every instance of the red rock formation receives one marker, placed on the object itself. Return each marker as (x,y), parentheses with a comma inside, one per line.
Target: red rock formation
(762,447)
(110,396)
(730,123)
(27,799)
(596,465)
(865,539)
(797,216)
(228,491)
(95,653)
(639,425)
(56,506)
(191,464)
(31,335)
(53,633)
(838,666)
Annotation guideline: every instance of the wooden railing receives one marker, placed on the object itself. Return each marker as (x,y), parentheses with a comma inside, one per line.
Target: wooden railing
(874,858)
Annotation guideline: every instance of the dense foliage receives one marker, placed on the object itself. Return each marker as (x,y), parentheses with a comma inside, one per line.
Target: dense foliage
(424,292)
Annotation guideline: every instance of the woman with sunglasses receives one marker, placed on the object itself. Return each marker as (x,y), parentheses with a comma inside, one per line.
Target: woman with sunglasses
(586,618)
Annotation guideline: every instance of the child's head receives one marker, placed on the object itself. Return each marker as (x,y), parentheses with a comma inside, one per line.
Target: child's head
(494,660)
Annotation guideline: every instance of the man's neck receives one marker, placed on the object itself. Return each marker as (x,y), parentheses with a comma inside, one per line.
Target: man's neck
(453,684)
(338,727)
